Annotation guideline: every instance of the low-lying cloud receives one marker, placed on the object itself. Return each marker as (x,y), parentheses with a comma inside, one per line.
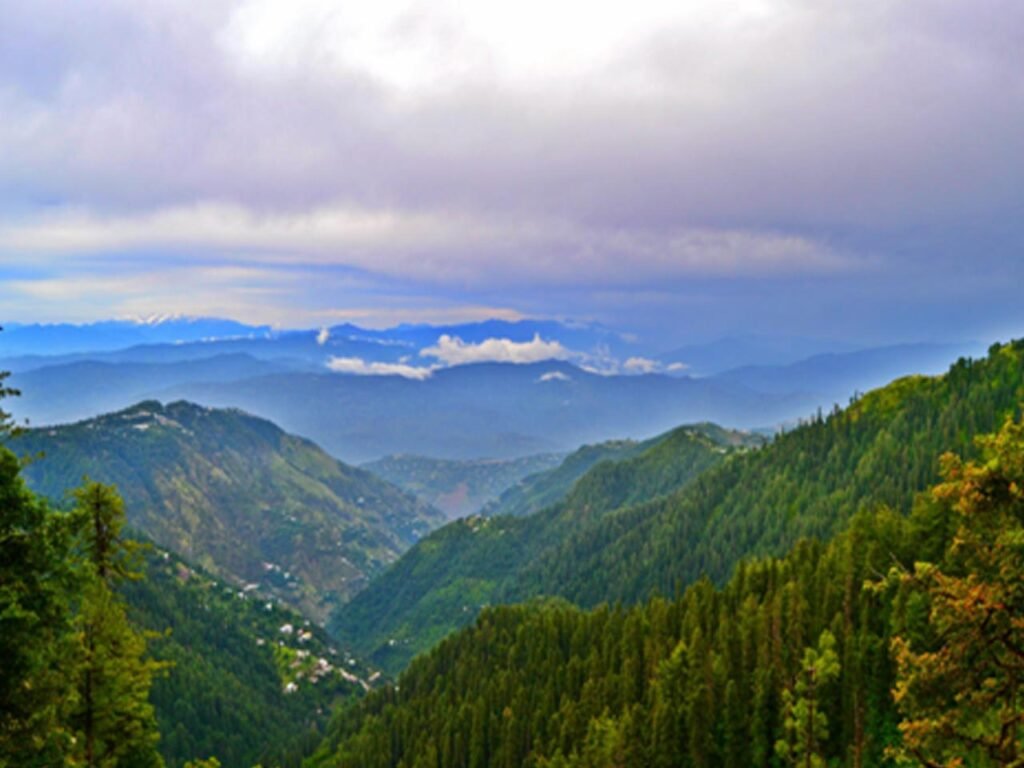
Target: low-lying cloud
(641,365)
(554,376)
(451,350)
(359,367)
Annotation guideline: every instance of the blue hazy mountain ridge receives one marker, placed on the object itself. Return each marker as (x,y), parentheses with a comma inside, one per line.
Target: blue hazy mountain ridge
(299,349)
(488,409)
(757,359)
(65,338)
(832,373)
(708,358)
(59,394)
(472,411)
(29,346)
(464,412)
(581,337)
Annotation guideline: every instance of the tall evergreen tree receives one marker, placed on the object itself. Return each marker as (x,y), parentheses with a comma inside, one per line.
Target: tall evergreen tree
(35,625)
(6,420)
(113,719)
(35,629)
(806,724)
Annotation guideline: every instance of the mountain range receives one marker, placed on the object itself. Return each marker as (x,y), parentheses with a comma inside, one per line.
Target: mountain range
(390,398)
(692,503)
(238,496)
(695,661)
(824,573)
(443,581)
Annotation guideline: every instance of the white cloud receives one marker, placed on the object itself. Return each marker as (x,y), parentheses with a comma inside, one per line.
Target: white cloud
(451,350)
(433,141)
(641,365)
(360,367)
(415,48)
(323,336)
(676,367)
(555,376)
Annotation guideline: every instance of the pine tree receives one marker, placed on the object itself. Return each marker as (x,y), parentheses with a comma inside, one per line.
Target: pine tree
(35,629)
(805,722)
(6,420)
(113,719)
(35,625)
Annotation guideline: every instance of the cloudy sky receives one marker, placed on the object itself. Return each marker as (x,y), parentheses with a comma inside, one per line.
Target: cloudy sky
(852,170)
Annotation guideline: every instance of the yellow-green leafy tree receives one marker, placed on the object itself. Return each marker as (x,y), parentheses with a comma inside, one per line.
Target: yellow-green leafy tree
(960,679)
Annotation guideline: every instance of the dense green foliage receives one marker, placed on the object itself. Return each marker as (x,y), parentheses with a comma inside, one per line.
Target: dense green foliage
(36,633)
(881,450)
(788,664)
(960,684)
(543,489)
(697,681)
(75,686)
(227,693)
(238,496)
(459,487)
(442,582)
(74,683)
(631,529)
(111,714)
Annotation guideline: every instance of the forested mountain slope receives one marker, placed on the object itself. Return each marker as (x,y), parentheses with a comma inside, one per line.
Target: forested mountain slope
(609,542)
(896,643)
(238,496)
(882,449)
(444,580)
(240,688)
(542,489)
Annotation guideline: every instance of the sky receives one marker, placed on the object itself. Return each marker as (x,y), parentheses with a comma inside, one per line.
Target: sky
(680,170)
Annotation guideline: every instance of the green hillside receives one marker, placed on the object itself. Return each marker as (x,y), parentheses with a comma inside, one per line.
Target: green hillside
(632,529)
(540,490)
(238,496)
(443,581)
(544,489)
(459,487)
(897,643)
(883,449)
(239,688)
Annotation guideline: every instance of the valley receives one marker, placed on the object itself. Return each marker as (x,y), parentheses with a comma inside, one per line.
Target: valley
(385,603)
(511,385)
